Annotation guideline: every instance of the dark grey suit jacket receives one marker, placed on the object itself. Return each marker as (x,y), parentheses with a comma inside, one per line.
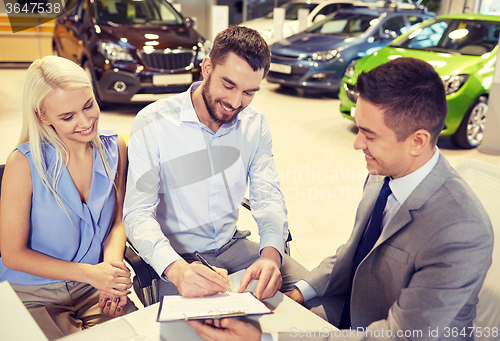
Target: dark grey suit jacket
(425,271)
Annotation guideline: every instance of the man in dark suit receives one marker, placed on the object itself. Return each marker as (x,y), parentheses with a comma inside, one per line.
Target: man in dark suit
(421,243)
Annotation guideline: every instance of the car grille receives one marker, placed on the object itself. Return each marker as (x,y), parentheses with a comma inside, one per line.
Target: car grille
(158,90)
(167,61)
(288,77)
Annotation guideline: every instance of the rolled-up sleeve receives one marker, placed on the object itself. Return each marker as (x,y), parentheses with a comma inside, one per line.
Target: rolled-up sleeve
(266,199)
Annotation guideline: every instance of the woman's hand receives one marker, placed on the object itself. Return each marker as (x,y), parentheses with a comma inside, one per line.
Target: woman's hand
(111,277)
(111,304)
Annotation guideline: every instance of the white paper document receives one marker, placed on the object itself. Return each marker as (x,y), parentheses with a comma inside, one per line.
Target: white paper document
(175,308)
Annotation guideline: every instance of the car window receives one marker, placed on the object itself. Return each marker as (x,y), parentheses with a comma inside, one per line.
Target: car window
(344,5)
(256,8)
(329,9)
(81,9)
(129,12)
(350,24)
(428,36)
(394,24)
(471,37)
(493,33)
(292,11)
(414,21)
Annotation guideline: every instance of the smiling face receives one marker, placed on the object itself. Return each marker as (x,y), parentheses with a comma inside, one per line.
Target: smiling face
(384,154)
(228,89)
(73,114)
(227,115)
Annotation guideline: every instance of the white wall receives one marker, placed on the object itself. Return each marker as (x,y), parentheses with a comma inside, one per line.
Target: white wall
(470,6)
(201,10)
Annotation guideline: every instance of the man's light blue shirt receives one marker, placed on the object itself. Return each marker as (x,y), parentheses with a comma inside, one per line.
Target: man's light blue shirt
(185,182)
(401,189)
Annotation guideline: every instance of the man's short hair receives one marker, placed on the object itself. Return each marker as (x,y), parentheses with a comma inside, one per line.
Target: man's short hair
(245,43)
(411,93)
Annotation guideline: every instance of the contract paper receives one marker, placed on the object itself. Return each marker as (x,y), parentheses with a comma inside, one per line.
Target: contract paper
(230,304)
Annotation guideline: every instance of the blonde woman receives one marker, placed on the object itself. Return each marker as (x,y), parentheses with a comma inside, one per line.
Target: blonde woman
(61,233)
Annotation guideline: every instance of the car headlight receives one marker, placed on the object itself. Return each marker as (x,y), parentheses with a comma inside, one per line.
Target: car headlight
(349,70)
(453,83)
(115,52)
(204,50)
(323,56)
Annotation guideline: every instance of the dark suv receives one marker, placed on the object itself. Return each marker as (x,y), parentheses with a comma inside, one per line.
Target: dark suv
(131,49)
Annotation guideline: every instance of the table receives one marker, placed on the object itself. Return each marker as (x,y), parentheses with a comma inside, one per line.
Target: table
(142,326)
(16,323)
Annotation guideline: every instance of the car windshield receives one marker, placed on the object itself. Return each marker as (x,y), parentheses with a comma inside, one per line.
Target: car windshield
(469,37)
(133,12)
(292,10)
(350,24)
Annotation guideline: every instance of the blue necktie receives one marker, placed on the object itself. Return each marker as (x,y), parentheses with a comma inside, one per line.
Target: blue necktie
(369,239)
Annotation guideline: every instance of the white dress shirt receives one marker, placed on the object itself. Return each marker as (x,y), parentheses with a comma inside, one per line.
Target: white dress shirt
(185,182)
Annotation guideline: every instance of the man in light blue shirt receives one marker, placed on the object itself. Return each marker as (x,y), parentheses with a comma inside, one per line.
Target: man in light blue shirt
(191,159)
(422,242)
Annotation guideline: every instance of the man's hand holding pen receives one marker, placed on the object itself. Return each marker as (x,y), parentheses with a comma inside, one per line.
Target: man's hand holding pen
(196,279)
(200,279)
(203,261)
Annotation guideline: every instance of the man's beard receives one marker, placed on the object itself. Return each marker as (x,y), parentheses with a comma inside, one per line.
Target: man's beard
(210,104)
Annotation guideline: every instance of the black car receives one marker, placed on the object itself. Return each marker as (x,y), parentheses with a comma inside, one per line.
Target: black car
(131,49)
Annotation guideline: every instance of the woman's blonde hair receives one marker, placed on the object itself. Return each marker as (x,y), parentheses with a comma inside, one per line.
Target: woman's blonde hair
(44,77)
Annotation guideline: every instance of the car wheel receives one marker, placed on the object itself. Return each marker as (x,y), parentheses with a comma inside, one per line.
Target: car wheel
(470,133)
(102,105)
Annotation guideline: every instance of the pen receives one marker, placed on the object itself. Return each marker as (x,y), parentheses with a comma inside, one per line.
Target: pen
(206,263)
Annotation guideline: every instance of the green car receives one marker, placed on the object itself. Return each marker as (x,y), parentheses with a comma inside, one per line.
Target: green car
(463,49)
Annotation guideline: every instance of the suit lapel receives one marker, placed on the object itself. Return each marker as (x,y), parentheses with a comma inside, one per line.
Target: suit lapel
(424,191)
(370,194)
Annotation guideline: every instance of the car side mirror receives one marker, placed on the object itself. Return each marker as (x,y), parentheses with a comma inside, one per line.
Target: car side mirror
(72,18)
(190,21)
(388,35)
(319,17)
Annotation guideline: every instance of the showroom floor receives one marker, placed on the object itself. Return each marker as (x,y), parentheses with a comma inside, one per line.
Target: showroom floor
(321,173)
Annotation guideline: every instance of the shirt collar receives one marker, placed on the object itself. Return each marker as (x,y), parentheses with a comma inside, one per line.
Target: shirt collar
(403,187)
(188,114)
